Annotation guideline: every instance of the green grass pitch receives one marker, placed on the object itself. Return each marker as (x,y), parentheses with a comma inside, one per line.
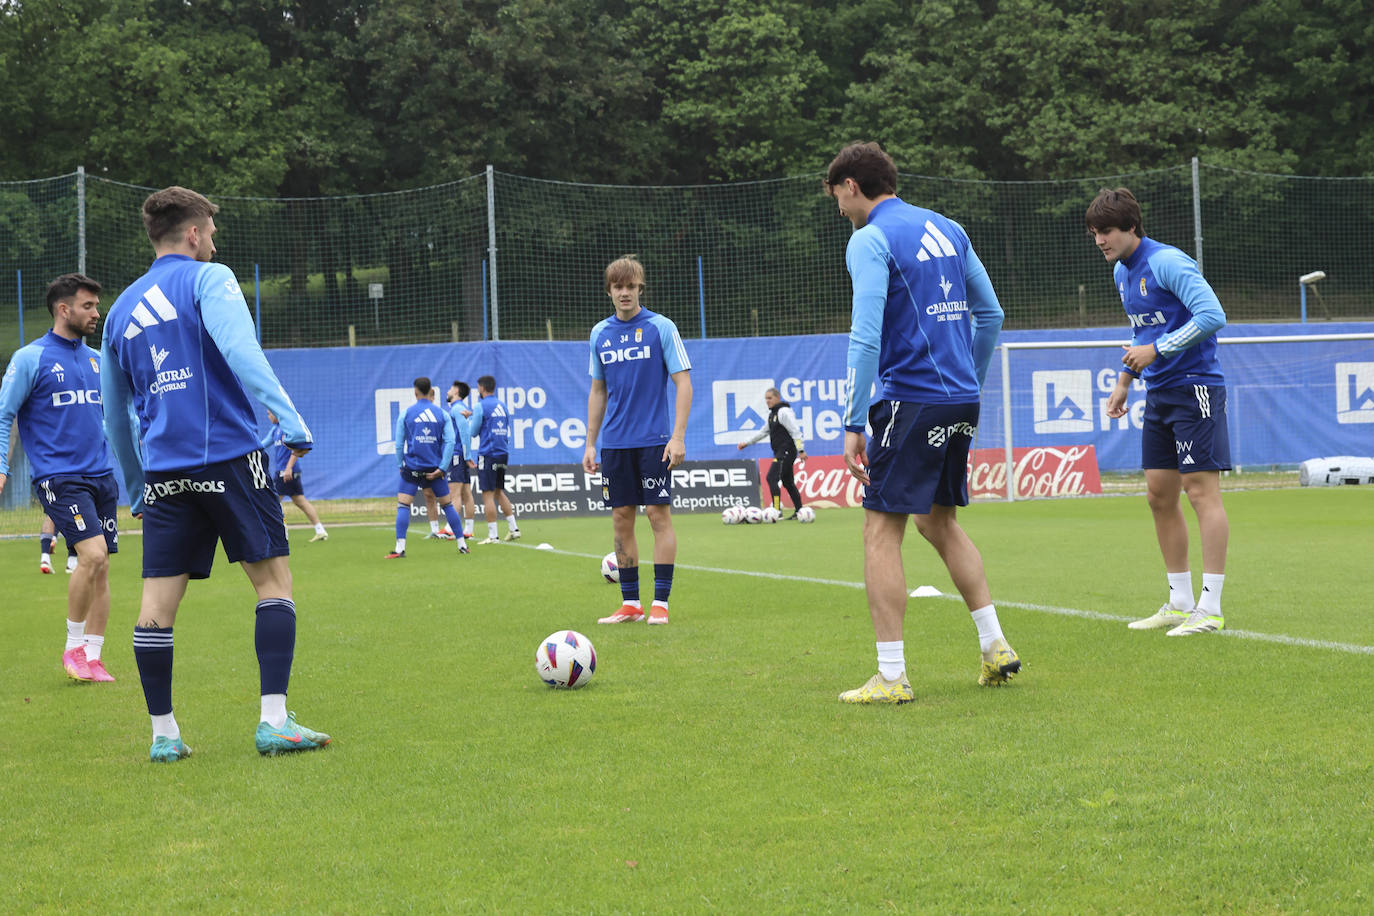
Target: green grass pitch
(708,767)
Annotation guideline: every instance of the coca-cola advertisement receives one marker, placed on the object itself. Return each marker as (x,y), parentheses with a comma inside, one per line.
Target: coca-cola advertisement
(1041,471)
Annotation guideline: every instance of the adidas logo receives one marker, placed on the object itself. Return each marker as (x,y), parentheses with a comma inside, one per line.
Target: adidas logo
(142,317)
(58,371)
(663,492)
(1188,459)
(934,244)
(427,416)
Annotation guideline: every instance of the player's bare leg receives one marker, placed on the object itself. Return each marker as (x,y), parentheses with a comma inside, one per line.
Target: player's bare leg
(88,599)
(1162,489)
(965,565)
(884,575)
(627,558)
(1204,494)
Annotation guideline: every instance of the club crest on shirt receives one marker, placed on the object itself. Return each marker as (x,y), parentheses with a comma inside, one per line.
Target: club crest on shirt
(95,364)
(1142,286)
(639,335)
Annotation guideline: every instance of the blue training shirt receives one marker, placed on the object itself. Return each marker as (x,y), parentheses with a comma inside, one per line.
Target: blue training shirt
(635,359)
(490,423)
(180,347)
(278,452)
(462,446)
(925,316)
(424,437)
(53,387)
(1170,305)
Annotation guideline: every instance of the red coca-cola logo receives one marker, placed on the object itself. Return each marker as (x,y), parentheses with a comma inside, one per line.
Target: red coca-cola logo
(822,480)
(1040,471)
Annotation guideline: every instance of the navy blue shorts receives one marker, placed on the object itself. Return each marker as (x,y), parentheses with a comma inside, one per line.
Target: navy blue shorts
(918,456)
(81,507)
(459,473)
(635,477)
(1184,429)
(186,513)
(288,488)
(413,481)
(491,472)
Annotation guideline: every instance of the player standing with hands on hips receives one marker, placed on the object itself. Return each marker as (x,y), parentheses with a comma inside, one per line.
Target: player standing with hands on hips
(180,348)
(1184,442)
(53,387)
(635,353)
(925,323)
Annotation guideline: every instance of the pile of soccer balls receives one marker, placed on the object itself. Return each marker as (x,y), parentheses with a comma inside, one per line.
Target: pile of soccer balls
(753,515)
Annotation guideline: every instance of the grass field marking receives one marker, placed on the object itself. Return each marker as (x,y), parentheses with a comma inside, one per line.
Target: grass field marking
(1279,638)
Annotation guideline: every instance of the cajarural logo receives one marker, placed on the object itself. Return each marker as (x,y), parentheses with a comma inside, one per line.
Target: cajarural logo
(1063,400)
(1355,392)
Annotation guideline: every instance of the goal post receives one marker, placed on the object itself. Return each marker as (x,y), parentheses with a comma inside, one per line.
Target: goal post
(1329,387)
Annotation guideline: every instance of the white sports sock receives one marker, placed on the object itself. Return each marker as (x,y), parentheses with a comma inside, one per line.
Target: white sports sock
(1181,591)
(434,526)
(400,545)
(319,529)
(511,524)
(892,659)
(1210,600)
(274,709)
(45,558)
(165,727)
(491,530)
(76,634)
(989,627)
(93,646)
(467,525)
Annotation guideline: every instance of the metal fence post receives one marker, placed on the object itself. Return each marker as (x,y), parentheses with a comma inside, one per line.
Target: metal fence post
(81,219)
(491,252)
(1197,215)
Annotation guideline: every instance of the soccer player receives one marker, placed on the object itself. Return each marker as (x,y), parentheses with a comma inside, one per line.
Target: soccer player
(925,323)
(47,533)
(180,354)
(53,387)
(634,354)
(1174,317)
(785,437)
(460,473)
(490,423)
(424,448)
(286,475)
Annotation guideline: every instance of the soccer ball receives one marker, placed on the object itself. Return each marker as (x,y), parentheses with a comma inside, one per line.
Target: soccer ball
(732,515)
(806,514)
(770,515)
(753,515)
(565,659)
(609,570)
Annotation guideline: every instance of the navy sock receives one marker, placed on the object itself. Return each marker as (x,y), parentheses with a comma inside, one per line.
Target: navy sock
(275,639)
(629,583)
(45,543)
(153,655)
(663,581)
(402,520)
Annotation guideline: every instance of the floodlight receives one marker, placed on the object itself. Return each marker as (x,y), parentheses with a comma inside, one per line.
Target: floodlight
(1313,277)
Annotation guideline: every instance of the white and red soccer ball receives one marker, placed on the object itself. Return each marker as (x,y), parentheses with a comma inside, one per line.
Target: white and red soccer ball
(565,659)
(610,570)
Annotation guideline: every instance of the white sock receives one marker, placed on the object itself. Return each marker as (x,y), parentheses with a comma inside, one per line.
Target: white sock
(467,525)
(93,646)
(274,709)
(1210,600)
(165,727)
(989,628)
(400,545)
(892,659)
(76,634)
(45,558)
(491,530)
(1181,591)
(511,524)
(434,526)
(319,529)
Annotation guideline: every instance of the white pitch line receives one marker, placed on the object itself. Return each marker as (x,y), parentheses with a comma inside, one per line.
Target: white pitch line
(1279,638)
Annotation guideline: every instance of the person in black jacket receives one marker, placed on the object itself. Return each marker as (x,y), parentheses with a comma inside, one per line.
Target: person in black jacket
(784,434)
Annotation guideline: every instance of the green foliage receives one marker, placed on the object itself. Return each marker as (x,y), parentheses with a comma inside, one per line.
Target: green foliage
(707,766)
(299,98)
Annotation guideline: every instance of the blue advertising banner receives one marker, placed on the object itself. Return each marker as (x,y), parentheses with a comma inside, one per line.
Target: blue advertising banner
(1287,401)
